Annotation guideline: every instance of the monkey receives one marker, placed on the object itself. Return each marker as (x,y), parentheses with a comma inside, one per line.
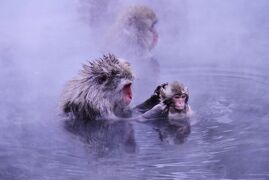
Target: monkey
(133,36)
(100,96)
(101,90)
(176,96)
(168,110)
(172,98)
(96,102)
(134,31)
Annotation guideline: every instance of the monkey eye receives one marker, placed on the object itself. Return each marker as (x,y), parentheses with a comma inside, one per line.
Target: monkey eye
(102,79)
(183,96)
(153,24)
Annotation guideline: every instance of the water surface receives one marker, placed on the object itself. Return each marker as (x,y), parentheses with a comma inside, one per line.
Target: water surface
(219,49)
(228,138)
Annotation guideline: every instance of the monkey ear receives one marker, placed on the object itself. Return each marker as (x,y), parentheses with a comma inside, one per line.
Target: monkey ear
(186,91)
(154,23)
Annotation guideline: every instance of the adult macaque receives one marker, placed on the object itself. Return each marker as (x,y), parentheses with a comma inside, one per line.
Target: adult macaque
(102,90)
(134,31)
(95,103)
(133,36)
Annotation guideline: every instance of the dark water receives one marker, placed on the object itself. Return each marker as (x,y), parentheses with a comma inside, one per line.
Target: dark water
(229,137)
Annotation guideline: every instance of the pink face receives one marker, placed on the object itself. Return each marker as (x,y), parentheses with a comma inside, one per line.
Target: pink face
(127,93)
(179,101)
(155,37)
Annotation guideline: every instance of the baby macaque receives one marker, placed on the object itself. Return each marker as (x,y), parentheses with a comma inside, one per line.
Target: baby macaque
(168,110)
(168,101)
(175,96)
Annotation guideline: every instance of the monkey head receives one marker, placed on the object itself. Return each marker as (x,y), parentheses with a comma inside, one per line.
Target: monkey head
(139,22)
(175,95)
(102,87)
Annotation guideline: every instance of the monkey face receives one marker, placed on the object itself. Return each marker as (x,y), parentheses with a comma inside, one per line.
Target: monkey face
(154,34)
(136,27)
(127,93)
(179,101)
(119,89)
(150,35)
(175,95)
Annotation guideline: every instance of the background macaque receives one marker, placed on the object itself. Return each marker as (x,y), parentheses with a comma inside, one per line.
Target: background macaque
(134,33)
(132,37)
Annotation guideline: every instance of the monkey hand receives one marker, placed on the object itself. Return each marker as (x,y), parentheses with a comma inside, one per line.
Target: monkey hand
(158,91)
(168,102)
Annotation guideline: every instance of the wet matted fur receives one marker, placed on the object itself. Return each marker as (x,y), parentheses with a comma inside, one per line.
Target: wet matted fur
(96,92)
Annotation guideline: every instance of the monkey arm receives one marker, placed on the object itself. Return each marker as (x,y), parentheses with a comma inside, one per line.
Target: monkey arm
(159,111)
(152,101)
(148,104)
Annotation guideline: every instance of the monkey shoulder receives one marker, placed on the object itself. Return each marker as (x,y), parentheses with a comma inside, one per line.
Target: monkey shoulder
(147,105)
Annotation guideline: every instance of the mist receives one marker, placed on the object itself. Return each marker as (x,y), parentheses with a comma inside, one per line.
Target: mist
(215,47)
(42,40)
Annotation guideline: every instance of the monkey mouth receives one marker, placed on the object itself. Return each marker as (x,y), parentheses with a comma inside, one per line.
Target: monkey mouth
(127,93)
(179,105)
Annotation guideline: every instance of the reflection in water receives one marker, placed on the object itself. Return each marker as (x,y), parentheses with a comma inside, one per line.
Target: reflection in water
(104,137)
(172,131)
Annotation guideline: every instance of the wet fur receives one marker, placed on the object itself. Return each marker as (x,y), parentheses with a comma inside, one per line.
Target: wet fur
(96,92)
(131,31)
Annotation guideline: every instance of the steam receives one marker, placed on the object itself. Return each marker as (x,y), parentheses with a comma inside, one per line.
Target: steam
(45,42)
